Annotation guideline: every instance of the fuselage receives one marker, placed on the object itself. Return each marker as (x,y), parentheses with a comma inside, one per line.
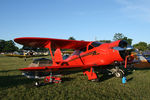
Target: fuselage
(96,53)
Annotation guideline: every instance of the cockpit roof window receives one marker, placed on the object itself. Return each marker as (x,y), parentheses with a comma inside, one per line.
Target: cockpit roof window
(96,44)
(90,47)
(83,49)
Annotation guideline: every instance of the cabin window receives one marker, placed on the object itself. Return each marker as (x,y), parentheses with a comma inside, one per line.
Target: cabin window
(90,47)
(96,44)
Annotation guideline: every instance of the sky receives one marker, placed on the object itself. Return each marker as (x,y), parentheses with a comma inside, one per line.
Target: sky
(83,19)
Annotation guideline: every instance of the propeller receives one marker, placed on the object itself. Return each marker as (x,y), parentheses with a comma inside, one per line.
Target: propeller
(124,50)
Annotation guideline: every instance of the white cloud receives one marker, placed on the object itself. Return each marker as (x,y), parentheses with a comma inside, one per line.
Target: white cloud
(138,9)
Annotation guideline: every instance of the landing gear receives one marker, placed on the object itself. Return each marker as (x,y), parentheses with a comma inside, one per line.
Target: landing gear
(91,75)
(37,84)
(49,79)
(52,79)
(117,72)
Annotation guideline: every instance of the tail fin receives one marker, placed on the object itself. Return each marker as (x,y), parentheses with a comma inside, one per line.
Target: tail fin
(58,56)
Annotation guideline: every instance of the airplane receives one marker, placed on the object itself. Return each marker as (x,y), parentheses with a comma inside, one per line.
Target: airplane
(24,54)
(16,54)
(87,56)
(142,61)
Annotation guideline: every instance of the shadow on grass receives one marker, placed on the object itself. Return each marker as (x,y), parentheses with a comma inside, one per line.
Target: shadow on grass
(12,81)
(142,68)
(130,79)
(105,77)
(5,71)
(66,79)
(128,72)
(63,81)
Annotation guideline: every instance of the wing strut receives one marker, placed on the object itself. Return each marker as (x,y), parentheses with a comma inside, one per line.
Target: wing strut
(50,49)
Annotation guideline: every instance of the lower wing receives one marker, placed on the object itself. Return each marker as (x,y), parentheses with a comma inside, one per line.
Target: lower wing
(56,68)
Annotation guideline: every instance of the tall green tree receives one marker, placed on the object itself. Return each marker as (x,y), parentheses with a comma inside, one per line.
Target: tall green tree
(9,46)
(2,45)
(142,46)
(71,38)
(148,46)
(28,48)
(105,41)
(129,40)
(120,36)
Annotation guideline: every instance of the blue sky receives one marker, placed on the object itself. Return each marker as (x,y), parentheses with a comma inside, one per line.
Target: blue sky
(82,19)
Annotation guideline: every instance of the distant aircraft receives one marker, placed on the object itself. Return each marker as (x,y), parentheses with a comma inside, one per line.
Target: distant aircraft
(143,62)
(24,54)
(16,54)
(87,56)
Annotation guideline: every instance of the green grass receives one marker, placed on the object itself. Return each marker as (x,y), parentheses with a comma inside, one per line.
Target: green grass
(14,86)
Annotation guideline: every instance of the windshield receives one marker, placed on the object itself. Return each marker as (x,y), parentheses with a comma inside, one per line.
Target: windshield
(96,44)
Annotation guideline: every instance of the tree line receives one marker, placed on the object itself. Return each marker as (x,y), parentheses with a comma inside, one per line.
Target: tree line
(142,46)
(9,46)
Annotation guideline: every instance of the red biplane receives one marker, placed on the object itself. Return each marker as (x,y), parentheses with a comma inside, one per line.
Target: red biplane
(87,55)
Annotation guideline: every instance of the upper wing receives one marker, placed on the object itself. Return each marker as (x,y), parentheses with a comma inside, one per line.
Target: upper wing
(55,43)
(55,68)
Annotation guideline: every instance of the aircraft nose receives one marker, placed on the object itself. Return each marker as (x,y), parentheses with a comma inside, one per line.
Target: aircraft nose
(124,49)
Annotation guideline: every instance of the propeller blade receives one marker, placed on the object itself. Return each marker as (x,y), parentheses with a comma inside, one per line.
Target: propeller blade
(119,48)
(129,48)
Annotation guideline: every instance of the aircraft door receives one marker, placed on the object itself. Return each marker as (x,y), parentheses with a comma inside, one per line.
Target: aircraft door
(89,56)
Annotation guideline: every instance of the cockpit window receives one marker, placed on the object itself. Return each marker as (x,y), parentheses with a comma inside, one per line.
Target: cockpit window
(96,44)
(90,47)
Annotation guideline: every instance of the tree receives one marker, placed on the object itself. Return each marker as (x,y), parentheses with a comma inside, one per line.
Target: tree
(129,40)
(105,41)
(2,45)
(120,36)
(34,49)
(71,38)
(141,46)
(148,46)
(42,50)
(8,46)
(29,48)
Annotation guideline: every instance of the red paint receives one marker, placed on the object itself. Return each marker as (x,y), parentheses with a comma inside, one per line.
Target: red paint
(91,75)
(51,79)
(103,54)
(126,59)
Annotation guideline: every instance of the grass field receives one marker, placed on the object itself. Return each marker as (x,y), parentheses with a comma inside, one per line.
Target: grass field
(14,86)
